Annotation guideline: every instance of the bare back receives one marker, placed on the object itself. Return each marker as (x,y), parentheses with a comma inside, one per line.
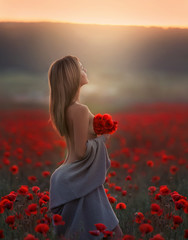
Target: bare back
(71,156)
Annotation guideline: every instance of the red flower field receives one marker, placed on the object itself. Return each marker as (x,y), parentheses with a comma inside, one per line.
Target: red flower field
(146,184)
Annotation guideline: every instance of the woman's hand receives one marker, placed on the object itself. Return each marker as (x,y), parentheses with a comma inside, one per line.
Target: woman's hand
(107,136)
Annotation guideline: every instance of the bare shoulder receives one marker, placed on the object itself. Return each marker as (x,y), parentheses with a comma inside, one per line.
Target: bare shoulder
(78,109)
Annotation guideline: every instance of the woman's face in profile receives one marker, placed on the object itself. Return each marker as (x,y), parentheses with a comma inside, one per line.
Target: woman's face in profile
(84,79)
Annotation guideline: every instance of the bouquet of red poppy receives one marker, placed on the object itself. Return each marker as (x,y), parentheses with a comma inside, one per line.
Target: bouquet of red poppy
(103,124)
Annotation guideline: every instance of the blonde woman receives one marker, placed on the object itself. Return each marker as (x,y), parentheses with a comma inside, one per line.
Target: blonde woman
(76,187)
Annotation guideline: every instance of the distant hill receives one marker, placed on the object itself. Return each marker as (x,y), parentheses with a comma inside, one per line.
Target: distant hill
(33,46)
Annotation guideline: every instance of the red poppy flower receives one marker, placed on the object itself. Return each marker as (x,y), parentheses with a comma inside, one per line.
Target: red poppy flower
(107,233)
(118,188)
(112,199)
(19,150)
(6,203)
(125,165)
(112,185)
(42,202)
(32,178)
(113,173)
(157,237)
(38,164)
(155,178)
(150,163)
(6,154)
(175,195)
(164,190)
(128,237)
(180,204)
(10,220)
(128,178)
(115,164)
(103,124)
(43,209)
(100,226)
(177,219)
(106,190)
(35,189)
(30,237)
(1,208)
(6,161)
(121,205)
(94,232)
(136,158)
(108,124)
(124,193)
(130,170)
(29,196)
(173,169)
(152,189)
(164,158)
(45,198)
(23,190)
(145,228)
(42,228)
(155,209)
(14,169)
(139,217)
(158,196)
(58,219)
(45,173)
(186,208)
(45,219)
(32,208)
(12,195)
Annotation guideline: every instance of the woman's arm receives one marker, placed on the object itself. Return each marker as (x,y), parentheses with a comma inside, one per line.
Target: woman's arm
(80,126)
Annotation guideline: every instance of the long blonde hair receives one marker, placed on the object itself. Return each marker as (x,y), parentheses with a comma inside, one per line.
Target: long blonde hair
(64,80)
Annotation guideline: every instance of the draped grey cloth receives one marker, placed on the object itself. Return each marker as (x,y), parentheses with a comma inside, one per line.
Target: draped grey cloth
(77,193)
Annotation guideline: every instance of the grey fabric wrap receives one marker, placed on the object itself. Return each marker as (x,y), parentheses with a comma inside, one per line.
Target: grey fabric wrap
(82,180)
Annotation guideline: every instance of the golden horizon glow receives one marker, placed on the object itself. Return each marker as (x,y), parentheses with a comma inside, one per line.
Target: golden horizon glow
(147,13)
(50,21)
(53,21)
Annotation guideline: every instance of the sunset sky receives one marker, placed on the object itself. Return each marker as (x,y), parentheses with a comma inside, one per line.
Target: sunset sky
(167,13)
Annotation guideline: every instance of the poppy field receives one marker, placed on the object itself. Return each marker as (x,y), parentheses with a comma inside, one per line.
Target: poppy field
(147,183)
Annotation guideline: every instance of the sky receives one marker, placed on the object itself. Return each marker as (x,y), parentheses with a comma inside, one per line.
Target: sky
(165,13)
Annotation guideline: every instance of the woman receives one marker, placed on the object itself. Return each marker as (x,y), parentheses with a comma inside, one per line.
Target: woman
(76,187)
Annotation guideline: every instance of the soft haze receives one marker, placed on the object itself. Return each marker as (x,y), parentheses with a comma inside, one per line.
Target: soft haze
(116,12)
(125,65)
